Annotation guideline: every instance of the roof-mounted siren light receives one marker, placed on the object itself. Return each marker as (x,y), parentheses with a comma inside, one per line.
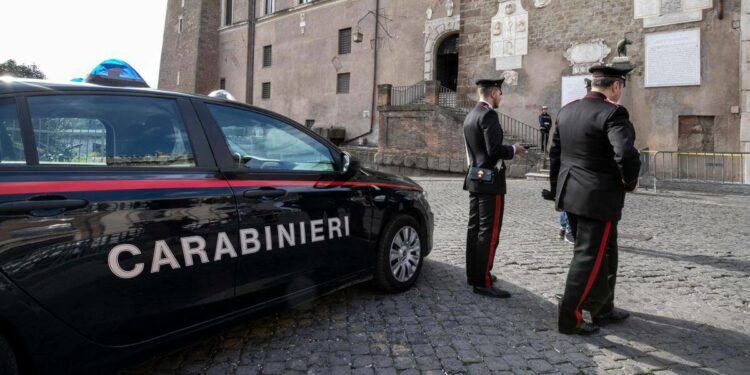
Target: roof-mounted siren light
(114,72)
(222,94)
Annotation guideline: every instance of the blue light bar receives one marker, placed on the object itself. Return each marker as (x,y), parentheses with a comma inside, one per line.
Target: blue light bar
(114,72)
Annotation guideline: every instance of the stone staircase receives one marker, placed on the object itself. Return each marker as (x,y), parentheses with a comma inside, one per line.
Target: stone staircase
(542,173)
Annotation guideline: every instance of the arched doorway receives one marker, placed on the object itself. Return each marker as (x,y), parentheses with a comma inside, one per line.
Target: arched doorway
(446,62)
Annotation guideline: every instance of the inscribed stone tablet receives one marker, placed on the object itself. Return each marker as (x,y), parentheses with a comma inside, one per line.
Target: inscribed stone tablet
(673,58)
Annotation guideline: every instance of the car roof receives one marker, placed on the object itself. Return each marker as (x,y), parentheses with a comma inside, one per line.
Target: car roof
(10,85)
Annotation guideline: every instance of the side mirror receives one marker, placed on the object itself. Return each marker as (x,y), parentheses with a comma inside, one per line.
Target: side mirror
(348,163)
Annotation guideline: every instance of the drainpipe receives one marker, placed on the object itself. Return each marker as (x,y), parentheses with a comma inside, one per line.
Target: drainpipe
(250,68)
(373,104)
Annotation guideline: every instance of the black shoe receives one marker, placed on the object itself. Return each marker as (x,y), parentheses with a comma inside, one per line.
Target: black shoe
(585,329)
(493,278)
(569,238)
(614,316)
(492,292)
(562,233)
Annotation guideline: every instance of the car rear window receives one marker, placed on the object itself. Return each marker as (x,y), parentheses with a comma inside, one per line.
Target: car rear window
(11,145)
(104,130)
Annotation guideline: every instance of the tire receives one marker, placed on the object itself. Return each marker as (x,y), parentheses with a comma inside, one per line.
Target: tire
(401,251)
(8,364)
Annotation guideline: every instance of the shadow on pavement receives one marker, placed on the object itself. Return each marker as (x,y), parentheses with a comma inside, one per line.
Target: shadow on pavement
(441,326)
(726,263)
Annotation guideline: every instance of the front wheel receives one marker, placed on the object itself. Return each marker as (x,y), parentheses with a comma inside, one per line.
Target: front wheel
(8,364)
(400,251)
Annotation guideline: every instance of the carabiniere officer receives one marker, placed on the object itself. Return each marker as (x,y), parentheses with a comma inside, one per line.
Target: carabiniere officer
(486,185)
(593,163)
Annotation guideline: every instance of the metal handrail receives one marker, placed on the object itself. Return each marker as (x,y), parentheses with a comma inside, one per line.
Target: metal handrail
(405,95)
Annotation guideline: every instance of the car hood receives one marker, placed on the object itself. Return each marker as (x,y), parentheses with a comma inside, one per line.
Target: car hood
(367,174)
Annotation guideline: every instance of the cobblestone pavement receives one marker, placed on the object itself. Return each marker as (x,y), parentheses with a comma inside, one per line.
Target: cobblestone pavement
(684,273)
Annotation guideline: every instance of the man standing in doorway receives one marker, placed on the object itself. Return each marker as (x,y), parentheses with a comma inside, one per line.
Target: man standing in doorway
(486,185)
(593,163)
(545,124)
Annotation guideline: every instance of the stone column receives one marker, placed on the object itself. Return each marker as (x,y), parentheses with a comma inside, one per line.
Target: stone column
(745,85)
(431,92)
(384,95)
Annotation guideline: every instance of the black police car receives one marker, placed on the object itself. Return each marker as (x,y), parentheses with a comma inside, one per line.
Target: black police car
(131,217)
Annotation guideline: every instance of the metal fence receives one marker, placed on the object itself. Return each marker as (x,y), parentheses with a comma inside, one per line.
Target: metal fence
(450,100)
(404,95)
(696,167)
(66,145)
(525,133)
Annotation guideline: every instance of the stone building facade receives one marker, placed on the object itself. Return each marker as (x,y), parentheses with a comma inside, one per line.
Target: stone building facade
(285,55)
(703,117)
(305,65)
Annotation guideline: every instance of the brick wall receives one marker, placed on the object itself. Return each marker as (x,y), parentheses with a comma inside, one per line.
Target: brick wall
(654,111)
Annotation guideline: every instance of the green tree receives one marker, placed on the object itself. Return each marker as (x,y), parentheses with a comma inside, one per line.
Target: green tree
(11,68)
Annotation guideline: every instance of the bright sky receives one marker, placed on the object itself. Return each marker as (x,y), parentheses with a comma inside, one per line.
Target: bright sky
(68,38)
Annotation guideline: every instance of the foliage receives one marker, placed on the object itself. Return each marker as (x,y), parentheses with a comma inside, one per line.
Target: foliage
(13,69)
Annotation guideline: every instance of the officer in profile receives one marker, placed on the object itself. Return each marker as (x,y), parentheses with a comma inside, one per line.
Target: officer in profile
(486,185)
(593,163)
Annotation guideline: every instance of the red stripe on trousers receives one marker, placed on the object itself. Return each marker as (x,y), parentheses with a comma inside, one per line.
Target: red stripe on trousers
(594,271)
(493,240)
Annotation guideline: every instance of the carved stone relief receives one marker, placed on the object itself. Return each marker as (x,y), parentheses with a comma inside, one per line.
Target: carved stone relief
(583,56)
(541,3)
(511,77)
(510,37)
(668,12)
(449,8)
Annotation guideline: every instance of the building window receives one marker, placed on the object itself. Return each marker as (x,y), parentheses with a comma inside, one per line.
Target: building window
(345,41)
(183,3)
(266,92)
(269,6)
(222,83)
(227,12)
(178,78)
(342,83)
(305,1)
(309,123)
(179,25)
(267,56)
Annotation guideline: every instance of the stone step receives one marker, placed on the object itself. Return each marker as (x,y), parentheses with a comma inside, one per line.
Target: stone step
(544,171)
(537,176)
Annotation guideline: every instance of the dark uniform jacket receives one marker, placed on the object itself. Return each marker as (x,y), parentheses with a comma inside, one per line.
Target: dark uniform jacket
(545,122)
(593,158)
(484,147)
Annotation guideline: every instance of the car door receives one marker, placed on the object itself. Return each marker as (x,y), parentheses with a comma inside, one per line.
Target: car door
(306,226)
(113,221)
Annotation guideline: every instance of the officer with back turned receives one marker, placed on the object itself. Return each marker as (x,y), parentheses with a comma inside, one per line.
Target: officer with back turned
(593,163)
(485,182)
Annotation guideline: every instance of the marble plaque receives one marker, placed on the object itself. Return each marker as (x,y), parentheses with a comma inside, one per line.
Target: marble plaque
(646,8)
(509,35)
(673,18)
(673,58)
(582,56)
(573,88)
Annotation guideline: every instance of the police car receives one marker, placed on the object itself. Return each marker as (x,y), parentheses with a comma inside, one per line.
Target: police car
(132,217)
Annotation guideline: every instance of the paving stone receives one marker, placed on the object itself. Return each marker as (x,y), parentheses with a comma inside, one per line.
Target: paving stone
(683,274)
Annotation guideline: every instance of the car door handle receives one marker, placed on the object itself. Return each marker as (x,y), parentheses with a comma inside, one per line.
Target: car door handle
(264,193)
(43,204)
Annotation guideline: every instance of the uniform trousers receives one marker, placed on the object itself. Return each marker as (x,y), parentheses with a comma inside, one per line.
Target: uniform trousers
(593,271)
(483,234)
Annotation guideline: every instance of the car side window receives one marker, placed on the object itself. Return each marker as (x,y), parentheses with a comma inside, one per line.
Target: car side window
(257,141)
(11,144)
(109,130)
